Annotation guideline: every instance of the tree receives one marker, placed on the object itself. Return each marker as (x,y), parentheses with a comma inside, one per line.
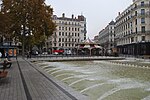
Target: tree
(32,18)
(5,23)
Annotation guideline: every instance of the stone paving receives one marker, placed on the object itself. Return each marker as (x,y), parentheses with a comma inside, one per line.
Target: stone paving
(26,81)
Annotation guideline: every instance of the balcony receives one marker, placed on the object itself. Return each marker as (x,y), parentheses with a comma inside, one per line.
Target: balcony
(141,6)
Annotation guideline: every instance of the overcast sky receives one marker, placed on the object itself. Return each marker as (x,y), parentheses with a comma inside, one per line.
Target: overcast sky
(97,12)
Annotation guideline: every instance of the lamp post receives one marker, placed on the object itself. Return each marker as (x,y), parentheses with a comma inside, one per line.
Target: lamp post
(25,32)
(23,39)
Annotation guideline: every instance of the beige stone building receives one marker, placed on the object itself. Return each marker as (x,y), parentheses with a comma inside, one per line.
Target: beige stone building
(70,31)
(106,36)
(132,29)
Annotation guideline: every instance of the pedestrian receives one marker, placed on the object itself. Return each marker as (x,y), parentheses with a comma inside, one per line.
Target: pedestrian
(0,54)
(28,54)
(6,64)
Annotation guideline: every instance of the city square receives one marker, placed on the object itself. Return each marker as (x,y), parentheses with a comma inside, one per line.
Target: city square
(44,56)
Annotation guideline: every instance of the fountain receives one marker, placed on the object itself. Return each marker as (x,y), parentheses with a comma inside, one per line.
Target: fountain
(103,80)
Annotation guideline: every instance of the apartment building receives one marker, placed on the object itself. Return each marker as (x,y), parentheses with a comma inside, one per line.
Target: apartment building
(132,29)
(106,36)
(70,31)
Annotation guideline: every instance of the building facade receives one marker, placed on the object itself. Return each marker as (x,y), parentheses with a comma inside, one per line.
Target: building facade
(106,36)
(96,39)
(132,29)
(69,32)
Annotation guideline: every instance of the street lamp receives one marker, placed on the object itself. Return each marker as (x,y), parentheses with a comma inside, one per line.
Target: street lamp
(24,32)
(23,38)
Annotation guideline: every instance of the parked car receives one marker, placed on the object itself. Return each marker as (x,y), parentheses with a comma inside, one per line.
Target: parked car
(35,53)
(55,53)
(67,52)
(45,53)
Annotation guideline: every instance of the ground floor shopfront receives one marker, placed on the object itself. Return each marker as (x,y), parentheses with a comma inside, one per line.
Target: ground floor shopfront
(135,49)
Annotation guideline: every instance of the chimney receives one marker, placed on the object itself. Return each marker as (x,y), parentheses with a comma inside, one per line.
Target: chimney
(63,15)
(118,13)
(72,16)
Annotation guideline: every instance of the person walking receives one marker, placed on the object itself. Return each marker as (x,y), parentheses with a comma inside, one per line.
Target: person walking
(28,54)
(0,54)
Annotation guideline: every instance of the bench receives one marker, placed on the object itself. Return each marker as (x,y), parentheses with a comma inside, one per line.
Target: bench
(3,66)
(3,74)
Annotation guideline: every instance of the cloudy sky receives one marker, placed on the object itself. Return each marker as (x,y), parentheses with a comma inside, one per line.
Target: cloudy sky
(97,12)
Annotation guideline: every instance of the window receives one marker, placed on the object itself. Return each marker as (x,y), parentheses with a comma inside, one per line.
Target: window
(132,39)
(136,22)
(136,30)
(62,28)
(62,45)
(142,11)
(62,33)
(143,38)
(128,25)
(59,39)
(142,20)
(59,44)
(136,39)
(75,29)
(135,13)
(142,3)
(135,6)
(66,33)
(59,33)
(59,28)
(143,29)
(62,39)
(55,44)
(78,29)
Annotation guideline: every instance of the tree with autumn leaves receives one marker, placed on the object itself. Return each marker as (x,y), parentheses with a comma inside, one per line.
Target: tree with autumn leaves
(28,20)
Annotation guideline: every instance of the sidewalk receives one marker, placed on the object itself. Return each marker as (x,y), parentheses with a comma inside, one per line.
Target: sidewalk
(27,82)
